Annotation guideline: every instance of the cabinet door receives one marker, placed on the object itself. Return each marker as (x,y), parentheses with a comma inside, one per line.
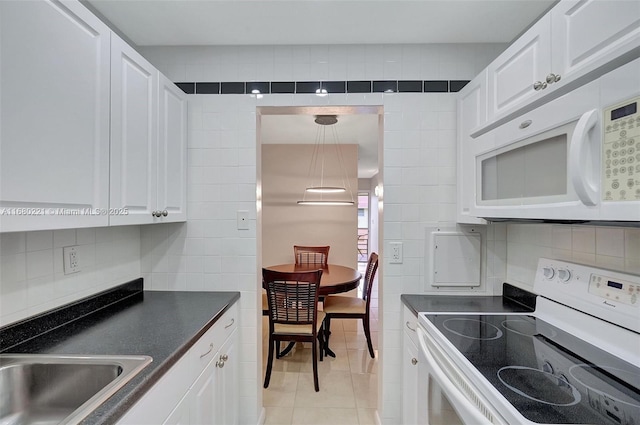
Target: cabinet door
(54,138)
(590,34)
(512,74)
(410,382)
(172,151)
(134,89)
(180,415)
(227,383)
(472,112)
(202,396)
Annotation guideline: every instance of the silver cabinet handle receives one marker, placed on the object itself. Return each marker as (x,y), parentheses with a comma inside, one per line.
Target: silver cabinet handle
(154,213)
(210,350)
(553,78)
(223,359)
(414,361)
(230,324)
(525,124)
(410,328)
(164,213)
(539,85)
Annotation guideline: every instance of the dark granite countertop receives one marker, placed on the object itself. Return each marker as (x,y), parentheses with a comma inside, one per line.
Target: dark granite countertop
(163,325)
(514,300)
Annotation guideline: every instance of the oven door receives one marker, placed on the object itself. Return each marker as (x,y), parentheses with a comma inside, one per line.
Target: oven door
(450,397)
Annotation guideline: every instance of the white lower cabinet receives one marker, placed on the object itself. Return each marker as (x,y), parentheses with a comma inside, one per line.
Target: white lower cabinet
(214,396)
(410,366)
(201,388)
(180,415)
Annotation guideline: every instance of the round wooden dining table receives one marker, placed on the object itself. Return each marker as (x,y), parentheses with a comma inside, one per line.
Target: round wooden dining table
(335,279)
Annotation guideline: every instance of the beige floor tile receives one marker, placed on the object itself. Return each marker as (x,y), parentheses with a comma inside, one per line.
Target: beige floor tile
(361,362)
(366,416)
(357,340)
(281,391)
(336,390)
(278,415)
(339,363)
(324,416)
(365,388)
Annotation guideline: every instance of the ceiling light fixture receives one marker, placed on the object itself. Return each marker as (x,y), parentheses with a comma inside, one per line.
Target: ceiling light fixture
(319,156)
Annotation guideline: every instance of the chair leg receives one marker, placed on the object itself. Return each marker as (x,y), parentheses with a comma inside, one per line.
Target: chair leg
(327,329)
(267,375)
(315,366)
(367,333)
(321,342)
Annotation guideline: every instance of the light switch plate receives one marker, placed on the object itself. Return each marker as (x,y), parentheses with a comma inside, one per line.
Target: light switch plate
(243,219)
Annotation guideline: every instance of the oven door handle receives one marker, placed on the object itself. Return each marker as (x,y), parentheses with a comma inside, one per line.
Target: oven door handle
(586,189)
(458,400)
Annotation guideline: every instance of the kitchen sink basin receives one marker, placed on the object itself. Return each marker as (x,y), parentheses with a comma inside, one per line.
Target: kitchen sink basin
(60,389)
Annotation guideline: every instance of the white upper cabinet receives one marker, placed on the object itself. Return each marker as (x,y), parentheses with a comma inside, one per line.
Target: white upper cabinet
(54,92)
(576,42)
(134,135)
(512,75)
(172,151)
(590,34)
(472,113)
(148,142)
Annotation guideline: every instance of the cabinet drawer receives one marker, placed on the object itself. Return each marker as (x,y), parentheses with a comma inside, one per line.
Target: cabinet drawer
(208,345)
(409,324)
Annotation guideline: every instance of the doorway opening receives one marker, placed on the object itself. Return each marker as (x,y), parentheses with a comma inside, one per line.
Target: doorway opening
(279,130)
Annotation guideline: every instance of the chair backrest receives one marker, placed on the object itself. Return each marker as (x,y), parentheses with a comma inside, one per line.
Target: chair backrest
(370,274)
(292,296)
(311,254)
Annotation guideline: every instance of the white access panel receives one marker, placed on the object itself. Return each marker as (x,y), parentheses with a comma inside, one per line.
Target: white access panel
(456,259)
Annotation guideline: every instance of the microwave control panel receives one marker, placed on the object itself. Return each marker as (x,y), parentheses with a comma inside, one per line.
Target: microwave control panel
(621,152)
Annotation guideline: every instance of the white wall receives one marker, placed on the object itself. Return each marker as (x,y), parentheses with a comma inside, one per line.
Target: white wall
(32,278)
(285,223)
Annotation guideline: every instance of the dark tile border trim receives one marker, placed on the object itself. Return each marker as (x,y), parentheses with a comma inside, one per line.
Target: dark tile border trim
(24,330)
(310,87)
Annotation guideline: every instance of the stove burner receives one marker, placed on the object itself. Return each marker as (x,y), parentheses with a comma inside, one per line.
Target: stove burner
(591,379)
(527,328)
(472,329)
(539,386)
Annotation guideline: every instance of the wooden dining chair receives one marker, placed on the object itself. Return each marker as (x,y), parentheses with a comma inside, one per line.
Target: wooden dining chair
(342,307)
(293,313)
(311,255)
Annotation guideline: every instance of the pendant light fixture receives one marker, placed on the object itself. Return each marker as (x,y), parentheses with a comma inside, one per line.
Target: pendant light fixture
(320,157)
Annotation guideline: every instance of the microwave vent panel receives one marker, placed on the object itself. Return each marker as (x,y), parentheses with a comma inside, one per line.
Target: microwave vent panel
(456,259)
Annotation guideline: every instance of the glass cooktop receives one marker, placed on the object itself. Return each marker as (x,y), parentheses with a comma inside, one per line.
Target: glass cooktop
(548,375)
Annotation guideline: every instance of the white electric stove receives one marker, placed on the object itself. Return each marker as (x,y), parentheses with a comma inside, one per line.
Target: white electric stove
(575,360)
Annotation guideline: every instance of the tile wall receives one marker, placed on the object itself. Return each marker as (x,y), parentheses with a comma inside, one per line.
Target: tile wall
(418,174)
(609,247)
(32,278)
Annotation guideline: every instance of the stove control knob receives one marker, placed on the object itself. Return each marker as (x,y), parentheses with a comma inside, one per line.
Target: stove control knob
(548,272)
(564,275)
(547,368)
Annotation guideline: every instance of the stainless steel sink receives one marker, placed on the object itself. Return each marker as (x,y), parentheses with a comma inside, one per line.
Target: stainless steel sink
(64,389)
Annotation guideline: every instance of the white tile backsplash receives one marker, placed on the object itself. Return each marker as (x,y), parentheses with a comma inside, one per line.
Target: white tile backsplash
(609,247)
(32,278)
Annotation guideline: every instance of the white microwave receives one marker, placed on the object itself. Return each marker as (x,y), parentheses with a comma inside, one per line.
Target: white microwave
(574,158)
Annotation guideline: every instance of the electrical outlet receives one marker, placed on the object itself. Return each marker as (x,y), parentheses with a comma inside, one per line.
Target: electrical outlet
(396,252)
(71,259)
(243,219)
